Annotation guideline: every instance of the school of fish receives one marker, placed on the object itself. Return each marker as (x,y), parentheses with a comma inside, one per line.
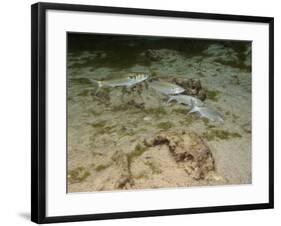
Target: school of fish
(172,91)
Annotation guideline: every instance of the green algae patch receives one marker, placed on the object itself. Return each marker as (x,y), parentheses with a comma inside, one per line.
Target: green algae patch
(124,131)
(95,113)
(227,113)
(234,117)
(180,111)
(186,120)
(213,95)
(207,123)
(99,124)
(101,127)
(77,175)
(80,81)
(123,107)
(84,93)
(215,134)
(165,125)
(160,111)
(101,167)
(138,151)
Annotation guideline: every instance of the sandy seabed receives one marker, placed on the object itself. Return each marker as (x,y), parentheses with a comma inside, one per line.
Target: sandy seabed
(132,139)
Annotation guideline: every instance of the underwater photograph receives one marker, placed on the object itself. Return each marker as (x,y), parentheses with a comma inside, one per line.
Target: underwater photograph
(146,112)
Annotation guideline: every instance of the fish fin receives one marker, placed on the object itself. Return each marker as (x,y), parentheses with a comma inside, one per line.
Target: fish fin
(221,120)
(194,108)
(170,99)
(98,83)
(130,86)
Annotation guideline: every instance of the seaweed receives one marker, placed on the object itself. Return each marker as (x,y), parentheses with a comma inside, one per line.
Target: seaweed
(99,124)
(206,123)
(101,167)
(213,95)
(84,93)
(123,107)
(94,113)
(78,175)
(235,117)
(215,134)
(227,113)
(165,125)
(156,111)
(138,151)
(80,81)
(101,127)
(124,131)
(188,120)
(180,111)
(211,126)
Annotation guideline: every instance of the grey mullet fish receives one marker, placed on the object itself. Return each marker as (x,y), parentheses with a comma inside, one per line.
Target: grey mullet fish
(128,81)
(206,112)
(166,88)
(186,100)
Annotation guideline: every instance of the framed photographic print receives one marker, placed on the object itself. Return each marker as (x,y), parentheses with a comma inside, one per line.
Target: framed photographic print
(139,112)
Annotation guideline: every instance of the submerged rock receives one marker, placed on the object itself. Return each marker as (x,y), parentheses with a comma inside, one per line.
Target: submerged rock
(202,94)
(193,87)
(189,150)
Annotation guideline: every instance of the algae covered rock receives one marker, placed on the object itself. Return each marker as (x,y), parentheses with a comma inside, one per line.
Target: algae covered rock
(189,150)
(193,87)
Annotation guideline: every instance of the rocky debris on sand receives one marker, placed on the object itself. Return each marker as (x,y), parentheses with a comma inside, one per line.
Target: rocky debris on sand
(189,150)
(165,159)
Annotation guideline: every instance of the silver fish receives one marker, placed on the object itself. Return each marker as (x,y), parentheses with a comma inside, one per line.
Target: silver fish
(166,87)
(186,100)
(130,80)
(206,112)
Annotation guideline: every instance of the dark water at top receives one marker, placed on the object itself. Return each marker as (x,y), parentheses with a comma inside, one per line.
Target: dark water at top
(125,51)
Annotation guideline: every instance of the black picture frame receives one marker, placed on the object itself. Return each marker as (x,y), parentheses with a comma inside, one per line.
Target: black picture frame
(38,111)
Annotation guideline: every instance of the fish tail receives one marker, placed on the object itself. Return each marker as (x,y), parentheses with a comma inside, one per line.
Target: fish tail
(221,119)
(97,82)
(170,99)
(192,110)
(193,107)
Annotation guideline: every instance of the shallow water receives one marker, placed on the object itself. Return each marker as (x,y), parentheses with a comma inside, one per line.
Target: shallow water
(107,130)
